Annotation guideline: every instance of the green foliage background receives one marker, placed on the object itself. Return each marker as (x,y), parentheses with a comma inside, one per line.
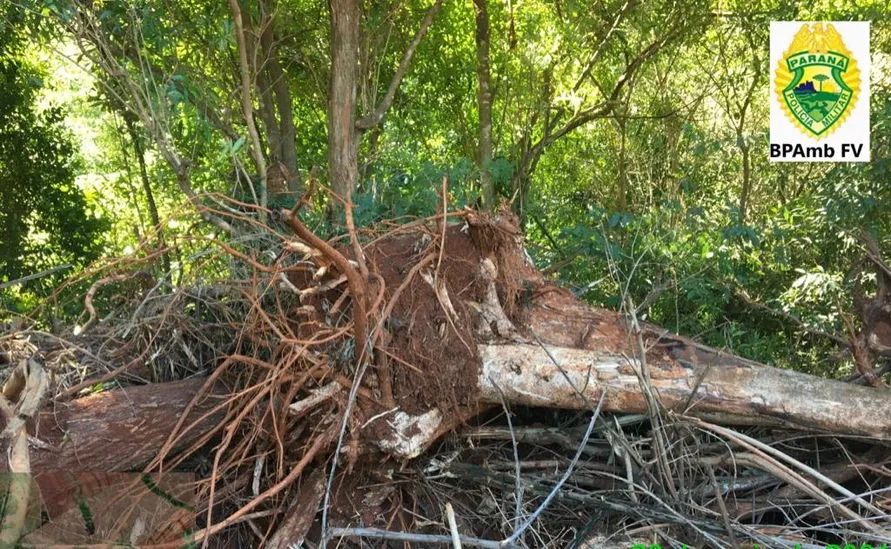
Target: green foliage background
(644,200)
(47,220)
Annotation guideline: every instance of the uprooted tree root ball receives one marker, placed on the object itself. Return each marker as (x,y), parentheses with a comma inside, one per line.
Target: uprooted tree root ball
(280,341)
(320,370)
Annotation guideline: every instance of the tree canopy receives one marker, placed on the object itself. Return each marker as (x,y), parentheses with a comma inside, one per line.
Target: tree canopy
(270,254)
(47,220)
(630,137)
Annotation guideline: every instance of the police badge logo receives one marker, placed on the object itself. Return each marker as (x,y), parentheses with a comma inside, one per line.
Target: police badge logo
(818,79)
(819,91)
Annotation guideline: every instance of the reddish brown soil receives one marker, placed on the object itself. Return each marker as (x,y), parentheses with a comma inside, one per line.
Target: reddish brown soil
(436,363)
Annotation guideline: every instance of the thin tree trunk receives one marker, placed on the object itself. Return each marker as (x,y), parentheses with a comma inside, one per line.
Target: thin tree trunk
(139,152)
(372,151)
(247,106)
(622,176)
(287,128)
(343,150)
(746,181)
(276,79)
(267,116)
(741,142)
(484,103)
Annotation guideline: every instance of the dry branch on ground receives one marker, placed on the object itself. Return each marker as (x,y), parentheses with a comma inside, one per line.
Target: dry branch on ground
(372,352)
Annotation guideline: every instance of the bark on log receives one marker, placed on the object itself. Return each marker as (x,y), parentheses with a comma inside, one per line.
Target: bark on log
(118,430)
(529,375)
(300,516)
(538,345)
(597,350)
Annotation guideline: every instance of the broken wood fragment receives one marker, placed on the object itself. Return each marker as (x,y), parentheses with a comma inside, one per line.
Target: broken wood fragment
(301,514)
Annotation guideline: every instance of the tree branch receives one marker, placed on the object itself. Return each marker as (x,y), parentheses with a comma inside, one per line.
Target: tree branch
(246,102)
(601,46)
(376,117)
(604,108)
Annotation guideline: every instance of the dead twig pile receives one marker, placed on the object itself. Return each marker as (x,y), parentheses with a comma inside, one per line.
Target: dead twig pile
(326,366)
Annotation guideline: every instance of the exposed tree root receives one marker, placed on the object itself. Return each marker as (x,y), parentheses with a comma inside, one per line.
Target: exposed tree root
(450,321)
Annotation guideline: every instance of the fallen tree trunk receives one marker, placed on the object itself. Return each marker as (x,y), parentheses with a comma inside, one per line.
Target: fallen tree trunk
(447,321)
(561,377)
(117,430)
(528,342)
(571,352)
(582,349)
